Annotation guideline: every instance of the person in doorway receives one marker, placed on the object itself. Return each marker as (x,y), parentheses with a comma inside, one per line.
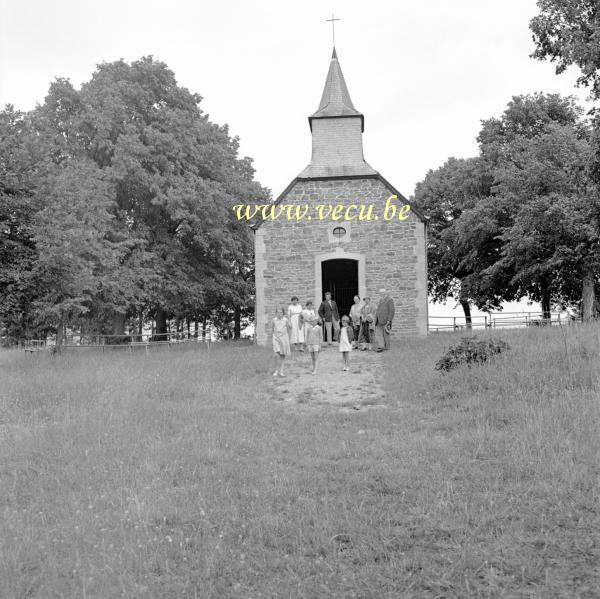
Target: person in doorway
(383,320)
(355,319)
(281,339)
(328,312)
(346,338)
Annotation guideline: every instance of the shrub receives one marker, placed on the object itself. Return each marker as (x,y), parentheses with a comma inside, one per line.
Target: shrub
(471,350)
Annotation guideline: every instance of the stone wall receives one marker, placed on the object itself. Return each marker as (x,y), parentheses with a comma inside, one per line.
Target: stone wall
(391,253)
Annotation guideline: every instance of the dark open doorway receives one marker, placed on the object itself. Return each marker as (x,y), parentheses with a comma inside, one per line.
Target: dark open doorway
(340,276)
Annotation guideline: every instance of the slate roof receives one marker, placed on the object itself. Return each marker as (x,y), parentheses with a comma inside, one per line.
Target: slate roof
(335,101)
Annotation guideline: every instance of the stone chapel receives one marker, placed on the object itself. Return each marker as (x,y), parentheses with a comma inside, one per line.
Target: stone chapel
(306,257)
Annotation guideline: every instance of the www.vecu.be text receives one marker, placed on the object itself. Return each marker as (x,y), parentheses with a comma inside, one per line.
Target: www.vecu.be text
(335,212)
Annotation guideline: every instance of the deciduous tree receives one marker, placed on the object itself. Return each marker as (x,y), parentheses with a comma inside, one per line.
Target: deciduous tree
(443,196)
(143,183)
(567,32)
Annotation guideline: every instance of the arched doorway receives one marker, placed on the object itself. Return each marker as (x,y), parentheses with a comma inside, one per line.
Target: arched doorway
(340,277)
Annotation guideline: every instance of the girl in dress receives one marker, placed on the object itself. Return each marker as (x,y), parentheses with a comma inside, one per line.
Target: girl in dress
(281,339)
(314,340)
(297,332)
(307,315)
(346,338)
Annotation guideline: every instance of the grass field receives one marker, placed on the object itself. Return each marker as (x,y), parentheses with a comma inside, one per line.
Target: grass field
(177,475)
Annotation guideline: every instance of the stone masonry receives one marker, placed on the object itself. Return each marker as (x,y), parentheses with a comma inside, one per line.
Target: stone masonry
(392,254)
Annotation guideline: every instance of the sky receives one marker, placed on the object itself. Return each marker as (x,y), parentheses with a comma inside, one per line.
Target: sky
(424,74)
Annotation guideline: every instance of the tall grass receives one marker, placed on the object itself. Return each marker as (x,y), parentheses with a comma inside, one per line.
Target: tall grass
(509,453)
(177,475)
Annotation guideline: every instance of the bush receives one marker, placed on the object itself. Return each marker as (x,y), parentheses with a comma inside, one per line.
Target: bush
(470,350)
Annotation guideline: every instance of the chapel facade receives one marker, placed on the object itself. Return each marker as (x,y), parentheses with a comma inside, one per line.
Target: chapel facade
(307,257)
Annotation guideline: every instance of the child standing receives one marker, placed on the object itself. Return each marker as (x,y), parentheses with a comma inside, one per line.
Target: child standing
(314,338)
(281,339)
(346,338)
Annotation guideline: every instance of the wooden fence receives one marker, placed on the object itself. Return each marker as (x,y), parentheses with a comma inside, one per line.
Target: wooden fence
(106,342)
(498,320)
(145,341)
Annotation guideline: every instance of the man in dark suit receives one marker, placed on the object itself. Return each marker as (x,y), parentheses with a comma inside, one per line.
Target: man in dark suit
(383,320)
(328,311)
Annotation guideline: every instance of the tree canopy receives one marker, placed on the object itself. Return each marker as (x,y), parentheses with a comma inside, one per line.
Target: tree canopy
(567,32)
(122,191)
(522,218)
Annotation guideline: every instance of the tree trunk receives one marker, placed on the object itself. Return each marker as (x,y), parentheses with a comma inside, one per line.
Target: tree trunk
(195,328)
(140,326)
(188,323)
(118,324)
(588,296)
(161,325)
(204,329)
(546,307)
(60,335)
(467,310)
(237,322)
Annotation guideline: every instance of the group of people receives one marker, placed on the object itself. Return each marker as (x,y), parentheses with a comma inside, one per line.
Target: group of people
(301,328)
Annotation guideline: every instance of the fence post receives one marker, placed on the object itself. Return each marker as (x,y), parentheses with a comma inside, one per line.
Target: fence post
(454,323)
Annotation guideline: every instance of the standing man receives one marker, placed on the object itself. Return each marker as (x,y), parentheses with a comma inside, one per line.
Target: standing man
(328,311)
(383,320)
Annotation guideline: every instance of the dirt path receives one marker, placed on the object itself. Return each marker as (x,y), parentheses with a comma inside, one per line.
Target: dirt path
(357,389)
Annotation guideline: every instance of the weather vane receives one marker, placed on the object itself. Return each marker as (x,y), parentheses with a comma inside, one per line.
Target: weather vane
(333,20)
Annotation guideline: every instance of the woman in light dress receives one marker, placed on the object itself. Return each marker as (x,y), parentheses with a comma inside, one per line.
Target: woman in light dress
(307,315)
(296,332)
(281,339)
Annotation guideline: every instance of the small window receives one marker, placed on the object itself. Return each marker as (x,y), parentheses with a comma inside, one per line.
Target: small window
(339,232)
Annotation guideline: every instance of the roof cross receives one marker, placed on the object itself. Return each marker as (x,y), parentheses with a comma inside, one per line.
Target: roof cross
(333,20)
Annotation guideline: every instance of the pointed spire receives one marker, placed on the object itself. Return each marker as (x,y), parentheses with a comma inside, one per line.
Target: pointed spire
(336,128)
(335,101)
